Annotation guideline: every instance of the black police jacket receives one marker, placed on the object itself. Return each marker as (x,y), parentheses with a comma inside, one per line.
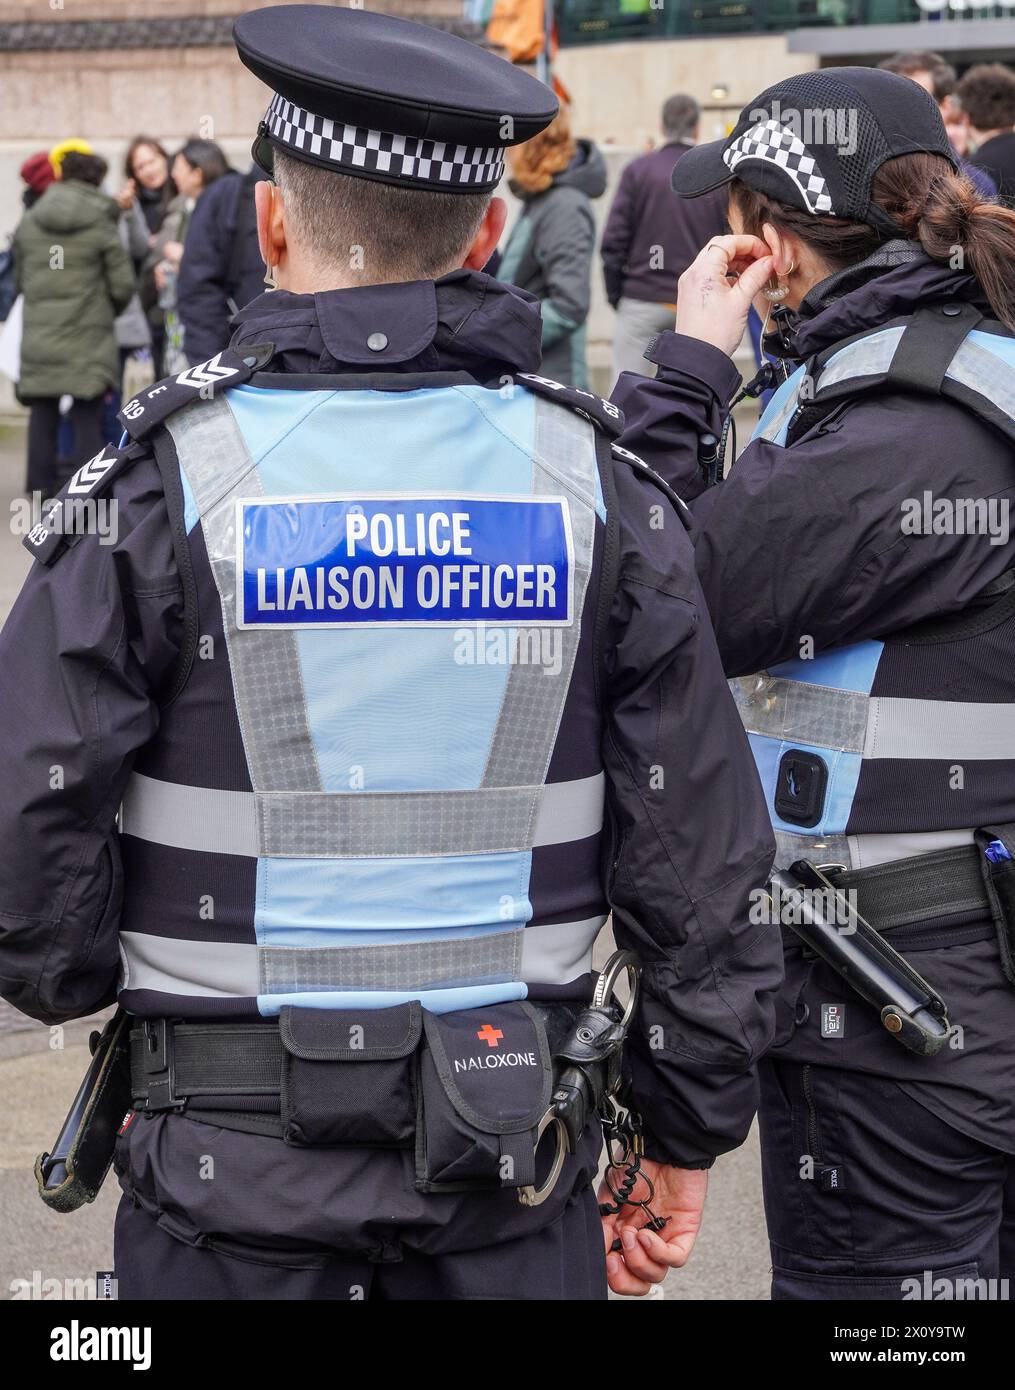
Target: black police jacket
(91,648)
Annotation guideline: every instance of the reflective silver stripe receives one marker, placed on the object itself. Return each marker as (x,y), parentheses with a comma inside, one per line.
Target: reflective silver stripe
(863,851)
(265,665)
(867,850)
(335,825)
(986,373)
(866,357)
(945,729)
(440,963)
(558,952)
(819,849)
(203,818)
(564,460)
(570,810)
(200,968)
(797,712)
(771,428)
(973,366)
(551,954)
(330,825)
(884,726)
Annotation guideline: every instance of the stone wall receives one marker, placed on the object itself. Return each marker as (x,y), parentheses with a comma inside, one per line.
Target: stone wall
(109,94)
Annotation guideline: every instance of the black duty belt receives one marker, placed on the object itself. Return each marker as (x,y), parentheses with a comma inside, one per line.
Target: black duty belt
(226,1074)
(172,1063)
(302,1079)
(917,891)
(233,1066)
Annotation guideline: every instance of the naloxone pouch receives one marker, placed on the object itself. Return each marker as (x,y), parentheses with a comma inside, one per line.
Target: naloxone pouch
(73,1173)
(485,1079)
(347,1076)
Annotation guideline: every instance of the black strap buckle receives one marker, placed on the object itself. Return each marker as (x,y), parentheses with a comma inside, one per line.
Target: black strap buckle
(160,1067)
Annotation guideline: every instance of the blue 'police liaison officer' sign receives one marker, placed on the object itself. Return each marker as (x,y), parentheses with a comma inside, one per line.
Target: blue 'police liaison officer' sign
(380,559)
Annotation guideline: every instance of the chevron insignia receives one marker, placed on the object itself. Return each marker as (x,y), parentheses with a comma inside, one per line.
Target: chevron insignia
(89,474)
(206,373)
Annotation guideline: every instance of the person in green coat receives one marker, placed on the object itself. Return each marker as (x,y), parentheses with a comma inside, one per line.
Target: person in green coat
(76,277)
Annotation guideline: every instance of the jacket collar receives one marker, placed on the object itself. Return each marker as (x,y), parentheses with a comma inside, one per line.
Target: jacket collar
(895,281)
(465,321)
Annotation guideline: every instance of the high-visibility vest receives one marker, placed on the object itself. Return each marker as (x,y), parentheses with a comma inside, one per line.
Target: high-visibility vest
(885,749)
(382,779)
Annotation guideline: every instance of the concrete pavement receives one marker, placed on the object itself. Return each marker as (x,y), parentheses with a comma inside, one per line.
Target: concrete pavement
(40,1069)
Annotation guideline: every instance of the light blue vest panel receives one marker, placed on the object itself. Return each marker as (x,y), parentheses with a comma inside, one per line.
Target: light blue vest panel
(369,549)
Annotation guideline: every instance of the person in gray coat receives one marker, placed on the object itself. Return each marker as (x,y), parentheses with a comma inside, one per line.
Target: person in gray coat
(549,251)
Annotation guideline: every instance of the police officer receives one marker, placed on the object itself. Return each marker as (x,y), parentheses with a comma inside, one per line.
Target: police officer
(858,555)
(401,677)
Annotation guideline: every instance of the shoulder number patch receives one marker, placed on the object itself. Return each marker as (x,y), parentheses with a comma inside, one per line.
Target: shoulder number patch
(374,560)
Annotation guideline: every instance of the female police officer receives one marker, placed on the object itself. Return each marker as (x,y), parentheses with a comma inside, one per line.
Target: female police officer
(859,557)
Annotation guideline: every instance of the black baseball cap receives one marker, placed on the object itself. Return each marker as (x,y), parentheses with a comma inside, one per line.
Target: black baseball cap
(387,99)
(816,141)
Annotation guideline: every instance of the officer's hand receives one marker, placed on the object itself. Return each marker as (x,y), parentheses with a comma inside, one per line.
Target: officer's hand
(646,1257)
(714,293)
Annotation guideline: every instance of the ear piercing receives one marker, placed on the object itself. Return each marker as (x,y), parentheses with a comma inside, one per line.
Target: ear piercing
(778,292)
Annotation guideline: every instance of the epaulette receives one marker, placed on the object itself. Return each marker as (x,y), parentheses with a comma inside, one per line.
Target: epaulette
(70,514)
(226,369)
(650,475)
(604,414)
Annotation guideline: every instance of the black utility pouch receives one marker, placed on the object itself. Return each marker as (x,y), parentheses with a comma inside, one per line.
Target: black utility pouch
(347,1076)
(995,842)
(485,1079)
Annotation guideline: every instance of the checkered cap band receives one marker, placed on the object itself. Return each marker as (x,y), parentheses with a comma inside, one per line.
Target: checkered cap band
(377,151)
(775,144)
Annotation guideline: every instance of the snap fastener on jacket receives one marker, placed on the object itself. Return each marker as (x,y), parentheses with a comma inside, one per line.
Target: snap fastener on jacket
(377,342)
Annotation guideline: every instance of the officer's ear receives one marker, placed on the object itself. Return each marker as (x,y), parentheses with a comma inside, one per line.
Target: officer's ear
(270,223)
(485,241)
(785,249)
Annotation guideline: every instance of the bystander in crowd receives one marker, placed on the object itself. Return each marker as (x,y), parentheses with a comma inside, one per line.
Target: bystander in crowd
(75,276)
(549,251)
(652,236)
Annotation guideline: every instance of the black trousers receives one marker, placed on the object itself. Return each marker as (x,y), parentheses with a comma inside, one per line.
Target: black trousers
(46,473)
(869,1195)
(564,1260)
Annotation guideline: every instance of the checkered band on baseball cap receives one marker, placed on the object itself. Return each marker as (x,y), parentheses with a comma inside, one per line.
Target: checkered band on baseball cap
(772,141)
(394,158)
(817,140)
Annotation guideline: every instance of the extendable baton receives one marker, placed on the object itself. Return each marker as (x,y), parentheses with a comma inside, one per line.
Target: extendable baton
(911,1009)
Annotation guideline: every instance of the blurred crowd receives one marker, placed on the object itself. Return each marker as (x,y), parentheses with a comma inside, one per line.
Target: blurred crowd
(104,294)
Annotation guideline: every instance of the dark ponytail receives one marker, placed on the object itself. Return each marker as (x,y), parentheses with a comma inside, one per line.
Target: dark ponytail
(930,203)
(948,217)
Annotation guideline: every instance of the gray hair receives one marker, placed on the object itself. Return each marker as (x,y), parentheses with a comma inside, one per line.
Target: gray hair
(388,232)
(681,115)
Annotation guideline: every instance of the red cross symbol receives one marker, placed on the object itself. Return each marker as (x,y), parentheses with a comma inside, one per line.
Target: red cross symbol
(489,1035)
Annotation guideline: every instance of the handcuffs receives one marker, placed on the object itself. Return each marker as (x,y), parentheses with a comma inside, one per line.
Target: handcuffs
(588,1077)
